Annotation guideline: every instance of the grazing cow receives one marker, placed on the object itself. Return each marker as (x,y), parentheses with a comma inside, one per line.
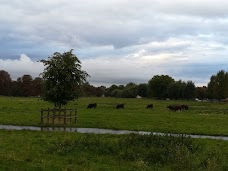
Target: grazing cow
(92,105)
(150,106)
(120,106)
(184,107)
(175,107)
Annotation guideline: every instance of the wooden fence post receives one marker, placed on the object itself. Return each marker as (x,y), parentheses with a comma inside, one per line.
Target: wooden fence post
(53,117)
(48,116)
(65,116)
(42,114)
(75,116)
(70,115)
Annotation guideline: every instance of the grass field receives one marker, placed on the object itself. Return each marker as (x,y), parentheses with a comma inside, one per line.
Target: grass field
(34,150)
(201,118)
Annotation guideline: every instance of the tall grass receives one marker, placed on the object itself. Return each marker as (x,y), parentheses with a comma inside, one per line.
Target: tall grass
(30,150)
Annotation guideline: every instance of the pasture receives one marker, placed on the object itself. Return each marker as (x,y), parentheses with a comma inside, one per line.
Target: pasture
(201,118)
(34,150)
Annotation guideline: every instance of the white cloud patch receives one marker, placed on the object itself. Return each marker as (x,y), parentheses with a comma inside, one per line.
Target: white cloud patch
(19,67)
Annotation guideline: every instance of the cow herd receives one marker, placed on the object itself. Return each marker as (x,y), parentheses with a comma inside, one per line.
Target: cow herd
(149,106)
(94,105)
(177,107)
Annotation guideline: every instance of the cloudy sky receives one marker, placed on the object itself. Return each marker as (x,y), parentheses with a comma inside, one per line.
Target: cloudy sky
(117,41)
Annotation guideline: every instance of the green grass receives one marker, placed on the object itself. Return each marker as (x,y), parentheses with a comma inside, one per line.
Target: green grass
(34,150)
(201,118)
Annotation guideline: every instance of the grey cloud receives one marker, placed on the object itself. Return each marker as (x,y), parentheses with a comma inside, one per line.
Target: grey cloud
(150,35)
(120,24)
(101,23)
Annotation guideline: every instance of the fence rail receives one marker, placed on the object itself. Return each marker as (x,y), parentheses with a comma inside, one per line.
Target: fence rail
(58,116)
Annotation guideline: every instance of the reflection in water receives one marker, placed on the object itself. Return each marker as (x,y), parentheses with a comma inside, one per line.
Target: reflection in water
(15,127)
(99,131)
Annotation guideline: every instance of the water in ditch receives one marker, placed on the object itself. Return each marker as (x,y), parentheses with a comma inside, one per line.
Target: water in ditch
(100,131)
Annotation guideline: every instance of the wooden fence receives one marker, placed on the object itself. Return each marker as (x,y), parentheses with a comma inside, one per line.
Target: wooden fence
(58,116)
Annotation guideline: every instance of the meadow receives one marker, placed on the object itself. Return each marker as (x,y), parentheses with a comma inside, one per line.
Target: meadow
(202,117)
(43,150)
(54,151)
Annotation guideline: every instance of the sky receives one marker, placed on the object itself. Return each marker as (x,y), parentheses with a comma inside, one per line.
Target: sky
(117,41)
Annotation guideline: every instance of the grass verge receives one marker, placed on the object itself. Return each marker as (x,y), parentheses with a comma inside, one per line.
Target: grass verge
(33,150)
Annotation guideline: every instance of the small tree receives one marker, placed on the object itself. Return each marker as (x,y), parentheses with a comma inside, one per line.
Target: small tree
(62,76)
(158,86)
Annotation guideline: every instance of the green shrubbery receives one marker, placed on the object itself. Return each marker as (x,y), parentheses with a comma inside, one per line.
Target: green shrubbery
(147,151)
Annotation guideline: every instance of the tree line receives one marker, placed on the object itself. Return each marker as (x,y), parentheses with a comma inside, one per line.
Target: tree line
(22,86)
(164,86)
(26,86)
(159,86)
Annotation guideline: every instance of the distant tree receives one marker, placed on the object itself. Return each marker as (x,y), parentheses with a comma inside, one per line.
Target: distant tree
(121,87)
(130,90)
(91,91)
(5,83)
(218,86)
(100,91)
(14,89)
(37,84)
(142,90)
(189,90)
(26,85)
(222,85)
(87,90)
(201,92)
(62,75)
(109,90)
(211,87)
(17,87)
(158,86)
(116,93)
(131,84)
(175,90)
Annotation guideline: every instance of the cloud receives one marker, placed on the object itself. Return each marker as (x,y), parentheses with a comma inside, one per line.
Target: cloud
(186,59)
(118,23)
(19,67)
(137,39)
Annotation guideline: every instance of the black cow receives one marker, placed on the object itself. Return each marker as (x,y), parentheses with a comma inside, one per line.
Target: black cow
(184,107)
(150,106)
(120,106)
(92,105)
(175,107)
